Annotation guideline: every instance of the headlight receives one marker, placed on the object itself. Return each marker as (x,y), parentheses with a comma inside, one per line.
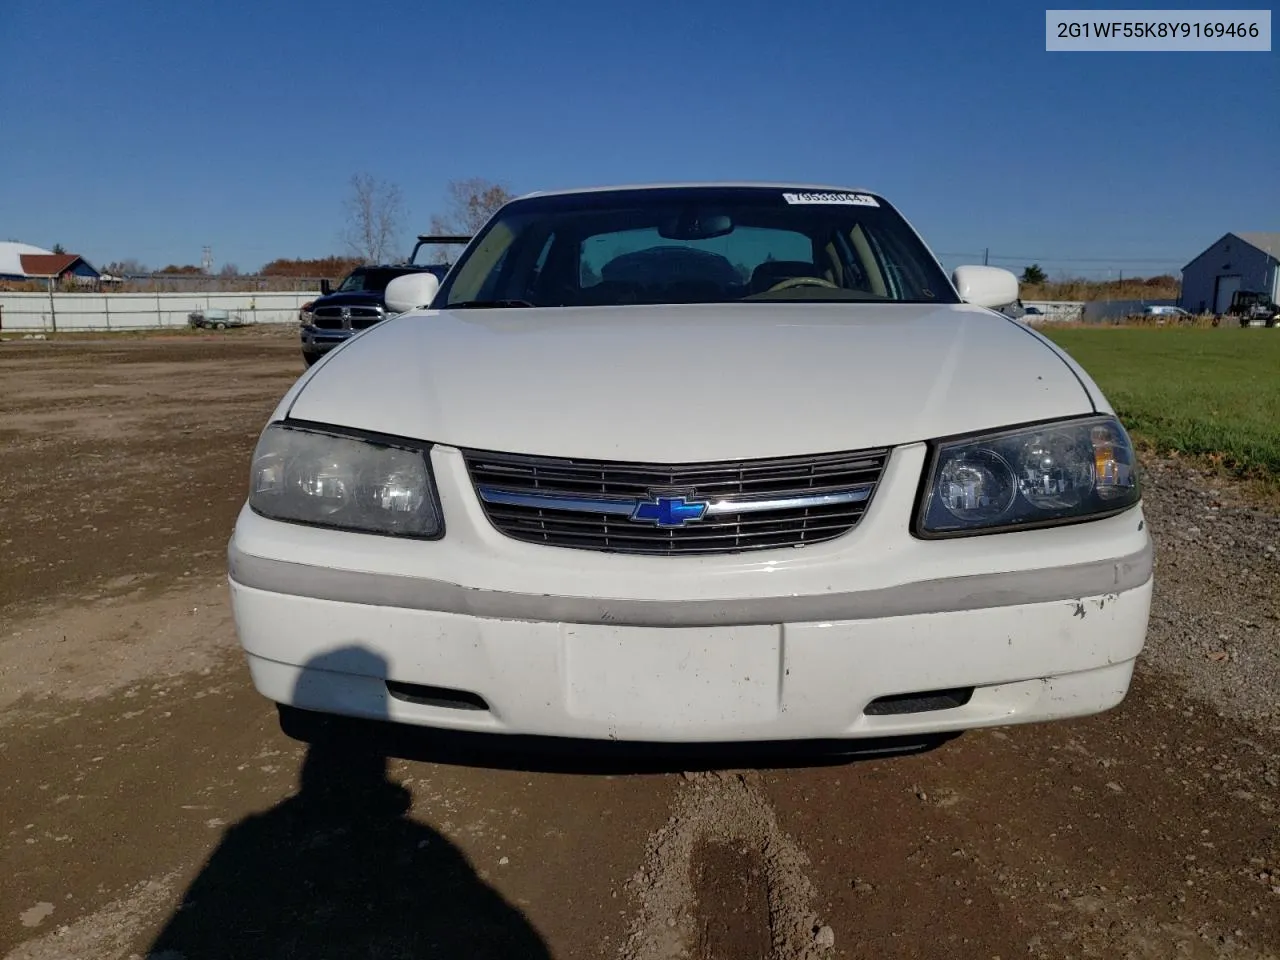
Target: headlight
(306,316)
(330,477)
(1054,473)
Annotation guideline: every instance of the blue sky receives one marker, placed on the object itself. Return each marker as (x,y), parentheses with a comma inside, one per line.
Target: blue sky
(148,129)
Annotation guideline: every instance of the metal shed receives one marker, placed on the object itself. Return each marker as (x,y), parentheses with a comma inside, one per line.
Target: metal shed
(1238,261)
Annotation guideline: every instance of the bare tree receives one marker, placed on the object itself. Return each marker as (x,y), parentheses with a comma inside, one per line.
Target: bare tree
(229,270)
(374,210)
(468,206)
(126,268)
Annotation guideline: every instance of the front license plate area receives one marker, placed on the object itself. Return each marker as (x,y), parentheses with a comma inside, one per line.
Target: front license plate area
(661,677)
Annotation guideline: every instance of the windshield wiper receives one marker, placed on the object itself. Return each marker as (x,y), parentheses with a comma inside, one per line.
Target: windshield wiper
(478,304)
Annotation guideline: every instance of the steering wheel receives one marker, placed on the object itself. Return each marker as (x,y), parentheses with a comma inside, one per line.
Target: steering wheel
(790,282)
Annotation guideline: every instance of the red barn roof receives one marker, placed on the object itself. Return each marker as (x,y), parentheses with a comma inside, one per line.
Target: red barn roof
(47,264)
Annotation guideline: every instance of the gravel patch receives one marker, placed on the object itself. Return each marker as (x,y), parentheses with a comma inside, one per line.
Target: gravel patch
(1215,617)
(723,807)
(105,934)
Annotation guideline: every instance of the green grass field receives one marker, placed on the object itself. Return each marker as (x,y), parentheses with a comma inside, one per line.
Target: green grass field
(1209,393)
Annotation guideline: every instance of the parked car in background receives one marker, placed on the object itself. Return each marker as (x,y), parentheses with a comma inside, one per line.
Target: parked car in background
(1163,314)
(1253,309)
(708,462)
(357,303)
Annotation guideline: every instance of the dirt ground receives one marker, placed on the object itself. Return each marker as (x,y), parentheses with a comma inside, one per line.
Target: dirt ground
(151,805)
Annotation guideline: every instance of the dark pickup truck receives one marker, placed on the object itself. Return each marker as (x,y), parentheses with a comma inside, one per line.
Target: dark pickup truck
(358,302)
(1253,309)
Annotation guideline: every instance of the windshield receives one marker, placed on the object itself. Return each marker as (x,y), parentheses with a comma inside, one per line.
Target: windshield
(695,245)
(369,281)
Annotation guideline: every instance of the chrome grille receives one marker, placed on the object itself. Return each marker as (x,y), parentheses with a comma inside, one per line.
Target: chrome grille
(347,318)
(753,504)
(327,321)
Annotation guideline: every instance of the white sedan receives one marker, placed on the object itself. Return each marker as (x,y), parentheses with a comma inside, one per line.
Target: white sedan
(718,462)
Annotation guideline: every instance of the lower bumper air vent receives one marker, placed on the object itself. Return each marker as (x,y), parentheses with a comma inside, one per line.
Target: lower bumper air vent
(924,701)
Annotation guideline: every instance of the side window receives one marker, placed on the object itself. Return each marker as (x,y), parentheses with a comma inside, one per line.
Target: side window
(906,277)
(542,254)
(535,272)
(516,273)
(489,289)
(854,273)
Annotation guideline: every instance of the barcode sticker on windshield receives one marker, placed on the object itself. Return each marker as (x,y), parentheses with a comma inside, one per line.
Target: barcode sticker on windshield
(847,199)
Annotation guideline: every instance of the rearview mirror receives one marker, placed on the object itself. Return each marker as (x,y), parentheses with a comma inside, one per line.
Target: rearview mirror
(410,292)
(692,225)
(325,288)
(985,286)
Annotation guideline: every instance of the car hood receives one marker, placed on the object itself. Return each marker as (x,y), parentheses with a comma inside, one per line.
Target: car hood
(689,383)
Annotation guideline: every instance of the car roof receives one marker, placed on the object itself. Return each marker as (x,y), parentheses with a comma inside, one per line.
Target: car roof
(702,185)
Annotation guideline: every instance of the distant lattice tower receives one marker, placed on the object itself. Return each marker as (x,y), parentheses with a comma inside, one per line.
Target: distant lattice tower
(206,260)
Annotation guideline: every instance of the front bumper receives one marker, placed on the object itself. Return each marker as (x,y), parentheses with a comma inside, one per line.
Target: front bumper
(317,340)
(480,632)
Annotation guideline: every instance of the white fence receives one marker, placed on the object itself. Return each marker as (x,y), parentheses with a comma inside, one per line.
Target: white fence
(140,311)
(1055,310)
(1100,310)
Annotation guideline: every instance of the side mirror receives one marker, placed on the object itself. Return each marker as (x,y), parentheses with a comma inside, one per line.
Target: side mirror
(411,291)
(985,286)
(325,288)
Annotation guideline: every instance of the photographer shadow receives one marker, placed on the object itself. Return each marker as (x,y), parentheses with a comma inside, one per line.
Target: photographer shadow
(340,870)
